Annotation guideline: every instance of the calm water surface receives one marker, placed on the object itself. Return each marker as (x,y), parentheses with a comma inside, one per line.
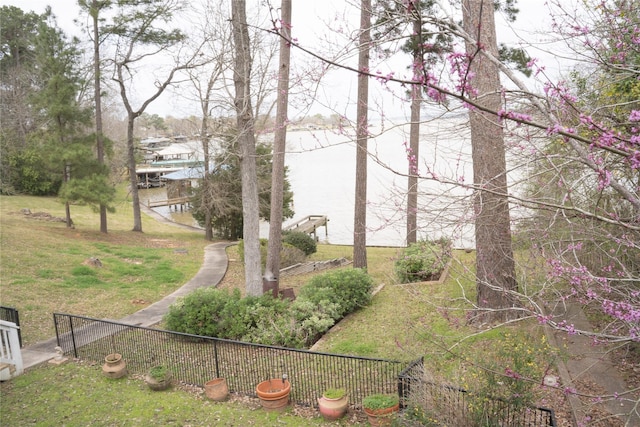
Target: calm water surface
(322,175)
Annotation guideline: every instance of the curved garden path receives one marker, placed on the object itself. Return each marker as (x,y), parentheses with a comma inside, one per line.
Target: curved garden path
(211,272)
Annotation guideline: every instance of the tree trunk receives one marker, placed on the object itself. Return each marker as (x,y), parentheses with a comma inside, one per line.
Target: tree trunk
(279,147)
(412,156)
(97,95)
(67,206)
(414,140)
(208,228)
(133,178)
(247,143)
(362,133)
(494,255)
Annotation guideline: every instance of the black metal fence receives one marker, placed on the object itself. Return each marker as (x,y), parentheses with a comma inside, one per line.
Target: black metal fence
(447,405)
(10,314)
(195,360)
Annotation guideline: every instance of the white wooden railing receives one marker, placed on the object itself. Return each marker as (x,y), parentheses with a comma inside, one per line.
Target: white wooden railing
(10,353)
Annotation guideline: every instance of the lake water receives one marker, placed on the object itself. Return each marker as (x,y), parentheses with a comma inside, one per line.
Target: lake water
(322,175)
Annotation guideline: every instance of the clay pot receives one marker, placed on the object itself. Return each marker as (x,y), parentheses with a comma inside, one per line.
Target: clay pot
(158,383)
(333,409)
(274,394)
(217,389)
(114,366)
(381,417)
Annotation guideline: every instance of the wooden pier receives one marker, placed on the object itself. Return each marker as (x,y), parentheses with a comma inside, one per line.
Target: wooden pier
(178,201)
(310,225)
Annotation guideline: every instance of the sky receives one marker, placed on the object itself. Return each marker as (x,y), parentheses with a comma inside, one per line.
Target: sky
(310,29)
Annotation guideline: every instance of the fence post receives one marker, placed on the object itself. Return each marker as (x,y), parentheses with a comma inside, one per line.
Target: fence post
(73,338)
(215,356)
(405,378)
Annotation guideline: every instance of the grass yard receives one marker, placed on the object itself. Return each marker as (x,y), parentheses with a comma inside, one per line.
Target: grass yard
(43,263)
(43,270)
(78,395)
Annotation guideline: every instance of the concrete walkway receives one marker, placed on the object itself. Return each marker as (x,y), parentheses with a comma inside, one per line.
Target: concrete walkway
(591,371)
(211,273)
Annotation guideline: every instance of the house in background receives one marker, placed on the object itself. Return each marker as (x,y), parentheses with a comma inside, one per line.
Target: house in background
(180,183)
(166,159)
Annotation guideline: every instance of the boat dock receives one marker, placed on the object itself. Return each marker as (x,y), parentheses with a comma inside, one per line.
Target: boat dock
(177,201)
(310,225)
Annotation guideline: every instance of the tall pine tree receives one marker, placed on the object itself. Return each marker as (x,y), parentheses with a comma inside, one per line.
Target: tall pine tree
(63,138)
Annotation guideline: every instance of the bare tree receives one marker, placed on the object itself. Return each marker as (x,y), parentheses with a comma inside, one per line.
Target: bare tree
(140,35)
(362,135)
(279,144)
(247,145)
(204,81)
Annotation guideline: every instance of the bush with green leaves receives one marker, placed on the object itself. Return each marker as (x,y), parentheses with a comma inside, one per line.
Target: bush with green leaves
(299,327)
(300,240)
(321,302)
(219,313)
(422,261)
(512,374)
(349,289)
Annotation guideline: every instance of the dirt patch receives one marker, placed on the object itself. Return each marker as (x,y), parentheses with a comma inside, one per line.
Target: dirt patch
(41,216)
(164,243)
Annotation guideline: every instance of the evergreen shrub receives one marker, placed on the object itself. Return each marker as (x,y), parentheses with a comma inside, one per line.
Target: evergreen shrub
(219,313)
(422,261)
(300,240)
(299,327)
(321,302)
(349,289)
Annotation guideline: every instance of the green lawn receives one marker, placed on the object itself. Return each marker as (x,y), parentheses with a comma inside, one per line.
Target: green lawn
(43,270)
(43,263)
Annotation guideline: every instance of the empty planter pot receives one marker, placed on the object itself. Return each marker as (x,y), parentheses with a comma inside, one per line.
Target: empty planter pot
(217,389)
(274,393)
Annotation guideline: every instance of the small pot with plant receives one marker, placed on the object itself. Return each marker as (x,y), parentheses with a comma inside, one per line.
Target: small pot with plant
(333,403)
(380,408)
(158,378)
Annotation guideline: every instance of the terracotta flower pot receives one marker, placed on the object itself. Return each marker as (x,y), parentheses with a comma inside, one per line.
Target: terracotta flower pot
(274,393)
(333,409)
(381,417)
(217,389)
(114,366)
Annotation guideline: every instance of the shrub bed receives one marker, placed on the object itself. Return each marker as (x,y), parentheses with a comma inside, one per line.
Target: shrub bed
(323,301)
(423,261)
